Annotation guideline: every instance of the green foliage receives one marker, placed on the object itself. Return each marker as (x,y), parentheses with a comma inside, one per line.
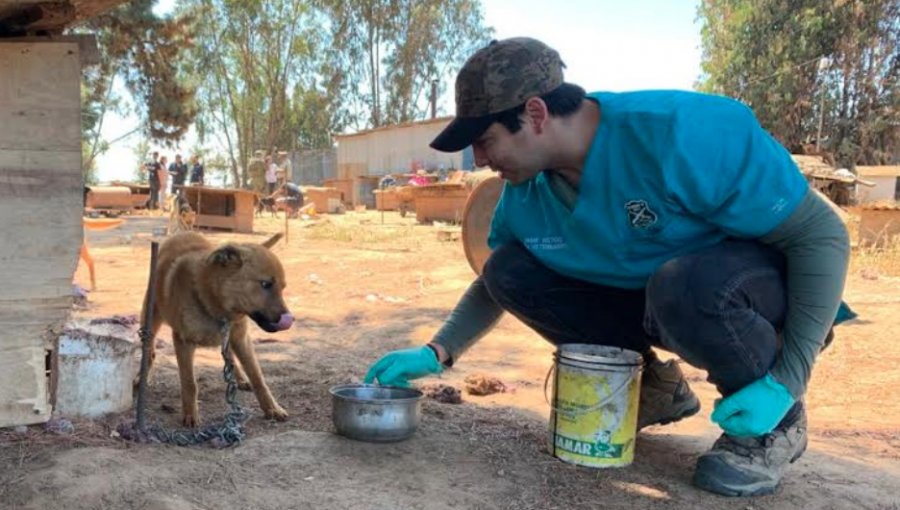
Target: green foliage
(145,50)
(397,48)
(289,73)
(249,56)
(259,75)
(141,152)
(769,54)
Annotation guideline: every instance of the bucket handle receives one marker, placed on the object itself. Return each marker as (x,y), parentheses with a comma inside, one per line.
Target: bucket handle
(598,406)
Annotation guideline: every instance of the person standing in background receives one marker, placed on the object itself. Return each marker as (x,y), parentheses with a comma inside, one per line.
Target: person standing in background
(178,170)
(271,175)
(284,162)
(196,171)
(163,175)
(153,169)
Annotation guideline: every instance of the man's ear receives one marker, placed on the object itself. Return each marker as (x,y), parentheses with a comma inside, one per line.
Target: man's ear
(537,114)
(270,242)
(226,256)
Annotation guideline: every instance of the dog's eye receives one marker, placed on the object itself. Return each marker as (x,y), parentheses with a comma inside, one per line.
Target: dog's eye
(265,284)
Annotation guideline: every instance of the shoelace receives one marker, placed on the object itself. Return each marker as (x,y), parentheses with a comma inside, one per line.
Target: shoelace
(745,446)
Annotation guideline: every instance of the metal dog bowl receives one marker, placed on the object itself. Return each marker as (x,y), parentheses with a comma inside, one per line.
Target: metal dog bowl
(375,413)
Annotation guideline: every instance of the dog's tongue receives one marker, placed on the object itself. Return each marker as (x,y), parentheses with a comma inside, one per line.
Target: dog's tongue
(286,321)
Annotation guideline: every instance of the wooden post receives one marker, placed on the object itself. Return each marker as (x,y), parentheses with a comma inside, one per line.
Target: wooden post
(147,340)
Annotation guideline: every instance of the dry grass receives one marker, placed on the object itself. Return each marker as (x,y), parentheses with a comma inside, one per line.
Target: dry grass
(398,236)
(871,262)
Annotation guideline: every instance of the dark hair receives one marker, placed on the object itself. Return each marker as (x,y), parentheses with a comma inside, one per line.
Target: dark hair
(561,102)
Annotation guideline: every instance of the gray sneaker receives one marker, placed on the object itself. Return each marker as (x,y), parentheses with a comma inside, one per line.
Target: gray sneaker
(737,466)
(665,395)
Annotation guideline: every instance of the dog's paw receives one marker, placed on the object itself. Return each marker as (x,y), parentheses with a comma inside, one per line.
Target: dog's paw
(276,413)
(244,385)
(190,420)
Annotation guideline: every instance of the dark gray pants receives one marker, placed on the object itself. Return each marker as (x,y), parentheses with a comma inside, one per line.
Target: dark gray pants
(719,309)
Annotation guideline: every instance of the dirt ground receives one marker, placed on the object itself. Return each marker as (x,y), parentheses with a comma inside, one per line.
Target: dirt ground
(364,283)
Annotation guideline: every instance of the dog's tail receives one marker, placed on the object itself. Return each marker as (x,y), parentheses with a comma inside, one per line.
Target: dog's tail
(270,242)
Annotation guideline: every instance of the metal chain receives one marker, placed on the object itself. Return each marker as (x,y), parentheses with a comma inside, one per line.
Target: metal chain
(221,435)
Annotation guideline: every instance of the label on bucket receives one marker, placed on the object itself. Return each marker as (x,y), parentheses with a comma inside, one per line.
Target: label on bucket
(601,449)
(595,420)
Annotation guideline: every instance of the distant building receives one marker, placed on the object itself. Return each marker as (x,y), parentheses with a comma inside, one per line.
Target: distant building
(396,149)
(886,180)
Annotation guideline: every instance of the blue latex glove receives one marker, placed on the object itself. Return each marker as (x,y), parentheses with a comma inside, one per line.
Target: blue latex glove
(755,410)
(398,367)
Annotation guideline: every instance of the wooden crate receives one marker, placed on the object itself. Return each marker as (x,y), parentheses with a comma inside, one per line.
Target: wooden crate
(109,198)
(345,186)
(140,193)
(387,199)
(220,208)
(327,200)
(440,202)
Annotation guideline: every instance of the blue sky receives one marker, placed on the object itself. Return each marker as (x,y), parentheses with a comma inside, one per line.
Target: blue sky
(606,44)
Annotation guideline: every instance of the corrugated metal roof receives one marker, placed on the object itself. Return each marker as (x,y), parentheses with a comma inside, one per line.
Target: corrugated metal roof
(437,120)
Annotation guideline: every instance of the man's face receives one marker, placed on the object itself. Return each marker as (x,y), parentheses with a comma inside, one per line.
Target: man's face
(178,158)
(513,155)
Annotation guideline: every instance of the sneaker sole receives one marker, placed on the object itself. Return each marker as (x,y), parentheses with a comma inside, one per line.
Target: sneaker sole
(763,488)
(713,485)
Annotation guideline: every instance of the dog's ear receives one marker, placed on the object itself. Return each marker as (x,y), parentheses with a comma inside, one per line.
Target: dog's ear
(226,256)
(270,242)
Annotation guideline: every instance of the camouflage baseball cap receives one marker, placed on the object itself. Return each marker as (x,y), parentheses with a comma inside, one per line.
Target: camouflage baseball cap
(500,76)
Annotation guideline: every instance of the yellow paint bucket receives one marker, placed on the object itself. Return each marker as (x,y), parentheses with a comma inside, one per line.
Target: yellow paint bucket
(596,393)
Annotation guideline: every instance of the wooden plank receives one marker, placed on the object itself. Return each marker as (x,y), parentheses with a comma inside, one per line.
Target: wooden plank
(35,75)
(24,161)
(39,111)
(88,51)
(38,129)
(40,216)
(878,171)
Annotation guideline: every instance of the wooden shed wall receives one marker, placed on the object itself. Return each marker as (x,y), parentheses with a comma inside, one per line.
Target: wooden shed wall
(40,215)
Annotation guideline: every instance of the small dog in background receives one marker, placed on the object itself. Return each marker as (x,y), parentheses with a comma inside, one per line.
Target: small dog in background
(182,216)
(264,204)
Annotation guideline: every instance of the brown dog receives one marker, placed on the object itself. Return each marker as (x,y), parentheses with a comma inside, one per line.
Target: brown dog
(182,217)
(199,288)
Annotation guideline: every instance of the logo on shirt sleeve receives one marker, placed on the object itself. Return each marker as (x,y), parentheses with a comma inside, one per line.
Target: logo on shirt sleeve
(640,215)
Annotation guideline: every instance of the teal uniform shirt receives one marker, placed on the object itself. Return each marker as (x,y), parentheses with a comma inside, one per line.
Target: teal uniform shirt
(668,173)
